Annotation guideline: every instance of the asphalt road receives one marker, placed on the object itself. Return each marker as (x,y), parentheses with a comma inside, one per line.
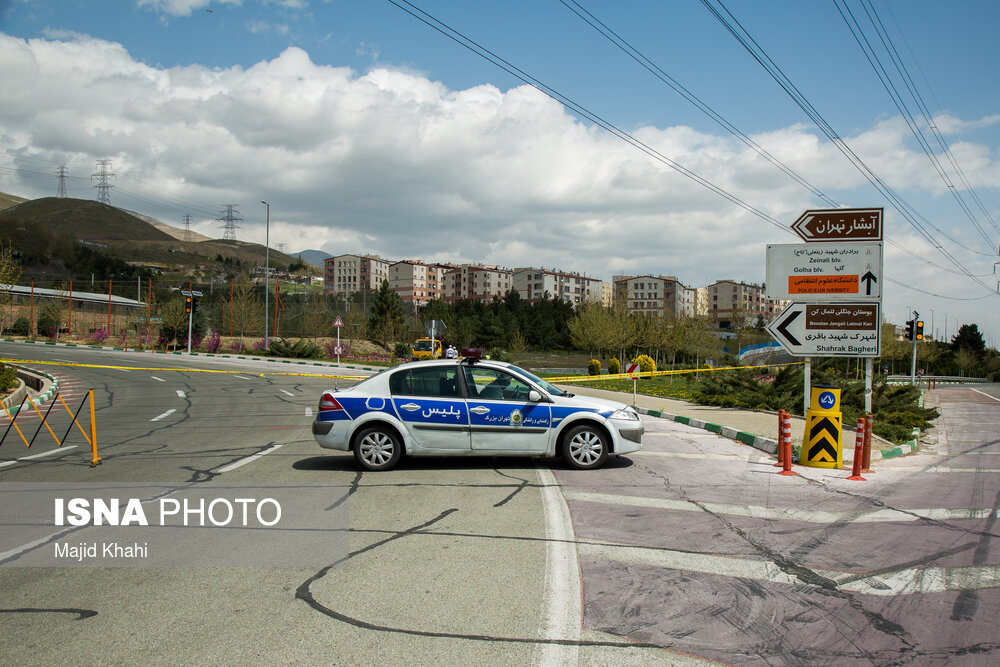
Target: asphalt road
(693,550)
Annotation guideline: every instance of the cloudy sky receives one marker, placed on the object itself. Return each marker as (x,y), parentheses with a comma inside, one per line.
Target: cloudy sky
(370,128)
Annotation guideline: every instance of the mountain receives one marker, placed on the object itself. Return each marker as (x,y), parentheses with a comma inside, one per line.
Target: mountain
(314,257)
(6,200)
(129,237)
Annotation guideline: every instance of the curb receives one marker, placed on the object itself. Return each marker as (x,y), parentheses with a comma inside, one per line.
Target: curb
(271,360)
(42,397)
(769,445)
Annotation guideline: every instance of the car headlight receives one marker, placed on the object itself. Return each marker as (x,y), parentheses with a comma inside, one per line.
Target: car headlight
(628,414)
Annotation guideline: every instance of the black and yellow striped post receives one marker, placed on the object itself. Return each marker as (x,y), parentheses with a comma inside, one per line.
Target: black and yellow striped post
(822,445)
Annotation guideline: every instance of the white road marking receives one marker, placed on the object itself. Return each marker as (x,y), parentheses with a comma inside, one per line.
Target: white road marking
(287,392)
(911,580)
(561,603)
(784,514)
(165,414)
(240,377)
(707,457)
(985,394)
(309,412)
(157,379)
(180,394)
(249,459)
(37,456)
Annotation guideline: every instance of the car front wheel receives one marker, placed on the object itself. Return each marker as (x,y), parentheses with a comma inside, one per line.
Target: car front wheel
(377,448)
(586,448)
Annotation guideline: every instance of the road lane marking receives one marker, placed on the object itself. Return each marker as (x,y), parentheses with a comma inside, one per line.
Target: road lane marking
(157,379)
(165,414)
(753,456)
(241,377)
(37,456)
(180,394)
(249,459)
(901,582)
(287,392)
(561,604)
(309,412)
(985,394)
(784,514)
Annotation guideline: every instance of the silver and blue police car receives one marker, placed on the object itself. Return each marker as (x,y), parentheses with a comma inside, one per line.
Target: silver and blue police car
(471,407)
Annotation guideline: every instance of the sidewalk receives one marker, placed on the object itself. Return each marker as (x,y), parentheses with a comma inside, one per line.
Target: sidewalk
(754,428)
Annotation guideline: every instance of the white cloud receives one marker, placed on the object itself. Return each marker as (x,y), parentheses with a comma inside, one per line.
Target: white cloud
(395,163)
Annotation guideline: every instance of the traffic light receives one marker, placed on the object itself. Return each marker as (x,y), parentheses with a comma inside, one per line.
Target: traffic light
(194,305)
(909,329)
(188,304)
(918,330)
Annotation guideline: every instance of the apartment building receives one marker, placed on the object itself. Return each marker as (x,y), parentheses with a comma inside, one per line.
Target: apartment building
(532,284)
(417,282)
(735,304)
(654,295)
(347,274)
(475,282)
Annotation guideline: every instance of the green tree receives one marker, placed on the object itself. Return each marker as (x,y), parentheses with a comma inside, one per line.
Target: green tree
(969,338)
(10,273)
(386,320)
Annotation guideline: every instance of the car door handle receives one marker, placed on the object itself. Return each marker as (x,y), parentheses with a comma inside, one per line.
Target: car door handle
(479,410)
(410,407)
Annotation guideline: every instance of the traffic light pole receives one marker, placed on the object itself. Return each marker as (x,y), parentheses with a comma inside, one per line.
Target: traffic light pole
(913,336)
(190,318)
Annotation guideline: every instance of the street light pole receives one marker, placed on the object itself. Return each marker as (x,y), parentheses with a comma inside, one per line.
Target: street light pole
(267,267)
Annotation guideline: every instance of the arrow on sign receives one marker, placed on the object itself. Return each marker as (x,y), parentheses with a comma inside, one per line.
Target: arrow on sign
(824,447)
(840,224)
(868,279)
(783,328)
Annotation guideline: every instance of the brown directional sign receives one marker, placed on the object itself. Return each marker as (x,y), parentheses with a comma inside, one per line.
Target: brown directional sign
(840,224)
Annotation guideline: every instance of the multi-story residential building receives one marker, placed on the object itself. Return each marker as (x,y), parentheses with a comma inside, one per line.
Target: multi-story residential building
(533,284)
(607,294)
(347,274)
(475,282)
(735,304)
(654,295)
(416,281)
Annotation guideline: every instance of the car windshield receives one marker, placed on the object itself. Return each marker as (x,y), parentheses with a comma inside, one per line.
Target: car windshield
(422,346)
(547,386)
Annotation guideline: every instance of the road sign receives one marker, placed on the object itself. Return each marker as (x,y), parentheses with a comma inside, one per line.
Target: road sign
(632,368)
(840,224)
(338,322)
(824,272)
(829,329)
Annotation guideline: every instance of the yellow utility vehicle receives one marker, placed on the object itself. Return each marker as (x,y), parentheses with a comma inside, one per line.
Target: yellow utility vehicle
(421,349)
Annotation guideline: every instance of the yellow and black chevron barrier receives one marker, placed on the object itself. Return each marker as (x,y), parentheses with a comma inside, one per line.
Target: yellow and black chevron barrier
(822,444)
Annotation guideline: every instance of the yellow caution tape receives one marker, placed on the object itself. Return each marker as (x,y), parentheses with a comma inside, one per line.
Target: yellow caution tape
(179,370)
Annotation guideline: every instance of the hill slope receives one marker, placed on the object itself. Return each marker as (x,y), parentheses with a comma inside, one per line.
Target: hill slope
(83,219)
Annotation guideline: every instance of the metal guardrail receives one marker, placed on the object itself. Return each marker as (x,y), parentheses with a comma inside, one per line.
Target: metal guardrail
(951,379)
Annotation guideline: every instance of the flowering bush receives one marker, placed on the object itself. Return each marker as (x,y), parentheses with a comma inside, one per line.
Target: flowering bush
(214,341)
(237,346)
(330,349)
(100,336)
(646,363)
(259,346)
(122,339)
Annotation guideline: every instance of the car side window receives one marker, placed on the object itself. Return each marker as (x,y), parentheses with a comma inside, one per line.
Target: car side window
(491,384)
(436,381)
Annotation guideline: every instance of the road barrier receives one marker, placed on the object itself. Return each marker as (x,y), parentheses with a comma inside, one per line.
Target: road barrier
(785,444)
(91,440)
(859,447)
(866,463)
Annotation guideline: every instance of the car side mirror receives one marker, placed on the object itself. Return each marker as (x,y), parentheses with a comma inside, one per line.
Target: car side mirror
(534,396)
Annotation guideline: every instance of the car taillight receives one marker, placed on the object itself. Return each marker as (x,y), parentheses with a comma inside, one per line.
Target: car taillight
(327,403)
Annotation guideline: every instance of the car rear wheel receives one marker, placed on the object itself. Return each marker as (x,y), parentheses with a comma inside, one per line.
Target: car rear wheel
(377,448)
(586,447)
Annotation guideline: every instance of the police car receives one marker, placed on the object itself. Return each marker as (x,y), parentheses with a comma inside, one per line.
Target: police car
(471,407)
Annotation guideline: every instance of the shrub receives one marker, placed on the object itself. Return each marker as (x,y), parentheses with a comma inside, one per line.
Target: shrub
(300,349)
(331,349)
(593,367)
(614,366)
(48,319)
(8,378)
(646,363)
(499,354)
(99,336)
(21,327)
(401,351)
(214,342)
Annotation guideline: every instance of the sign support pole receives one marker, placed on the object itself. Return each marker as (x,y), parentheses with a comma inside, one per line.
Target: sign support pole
(913,364)
(868,385)
(806,385)
(338,345)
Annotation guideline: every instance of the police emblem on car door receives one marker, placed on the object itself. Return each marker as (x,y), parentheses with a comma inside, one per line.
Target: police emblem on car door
(501,417)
